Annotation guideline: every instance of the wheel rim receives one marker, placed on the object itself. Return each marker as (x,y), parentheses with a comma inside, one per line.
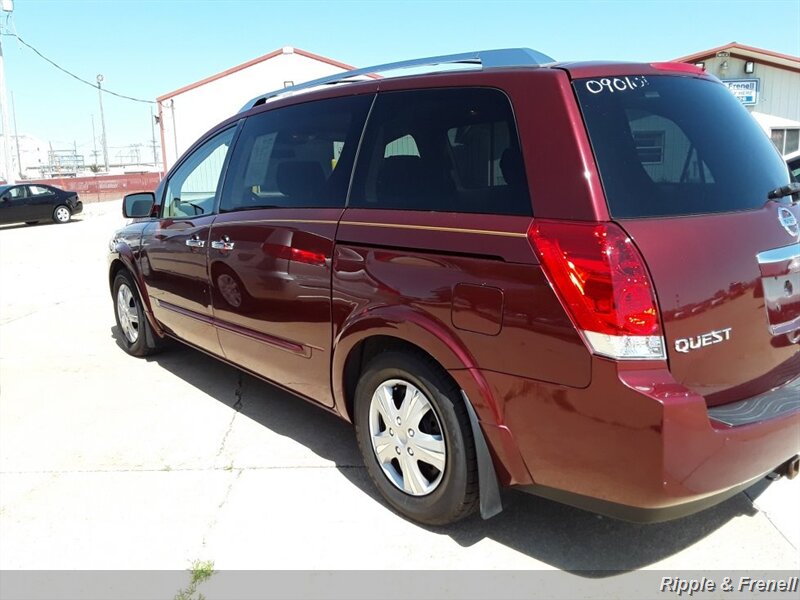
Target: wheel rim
(62,214)
(127,313)
(230,290)
(407,437)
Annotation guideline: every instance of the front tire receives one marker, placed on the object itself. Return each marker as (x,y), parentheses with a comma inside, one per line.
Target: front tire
(414,435)
(137,337)
(62,214)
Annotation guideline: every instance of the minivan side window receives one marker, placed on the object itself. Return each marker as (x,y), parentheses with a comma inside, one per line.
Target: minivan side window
(297,156)
(452,150)
(192,188)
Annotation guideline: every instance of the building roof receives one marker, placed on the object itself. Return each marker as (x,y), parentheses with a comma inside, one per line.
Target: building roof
(784,61)
(773,121)
(255,61)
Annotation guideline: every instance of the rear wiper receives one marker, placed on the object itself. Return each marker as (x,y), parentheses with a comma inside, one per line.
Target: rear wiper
(788,190)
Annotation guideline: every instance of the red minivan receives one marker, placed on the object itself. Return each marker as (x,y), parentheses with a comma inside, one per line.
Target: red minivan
(577,279)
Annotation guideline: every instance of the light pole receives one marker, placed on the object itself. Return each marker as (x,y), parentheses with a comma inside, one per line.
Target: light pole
(16,136)
(102,121)
(94,145)
(8,169)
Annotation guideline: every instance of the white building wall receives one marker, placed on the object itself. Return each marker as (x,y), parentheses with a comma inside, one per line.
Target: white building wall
(33,154)
(188,115)
(779,89)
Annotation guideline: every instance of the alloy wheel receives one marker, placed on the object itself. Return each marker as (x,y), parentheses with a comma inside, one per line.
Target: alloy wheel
(62,214)
(128,313)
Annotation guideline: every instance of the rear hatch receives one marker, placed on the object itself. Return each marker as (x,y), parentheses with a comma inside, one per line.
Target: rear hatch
(687,172)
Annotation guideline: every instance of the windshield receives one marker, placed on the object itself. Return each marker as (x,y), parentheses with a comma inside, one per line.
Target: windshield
(669,145)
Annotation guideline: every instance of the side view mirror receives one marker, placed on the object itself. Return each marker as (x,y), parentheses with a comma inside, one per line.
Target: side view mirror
(139,205)
(5,198)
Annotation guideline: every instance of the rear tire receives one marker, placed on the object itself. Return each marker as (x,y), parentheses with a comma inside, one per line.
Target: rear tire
(62,214)
(137,337)
(414,435)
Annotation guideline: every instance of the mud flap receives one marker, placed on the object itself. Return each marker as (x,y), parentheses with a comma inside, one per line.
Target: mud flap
(487,477)
(149,336)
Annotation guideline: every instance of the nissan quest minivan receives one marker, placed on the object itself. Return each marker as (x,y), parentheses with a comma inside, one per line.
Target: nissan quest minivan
(581,280)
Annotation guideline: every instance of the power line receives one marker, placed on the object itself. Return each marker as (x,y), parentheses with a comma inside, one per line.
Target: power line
(60,68)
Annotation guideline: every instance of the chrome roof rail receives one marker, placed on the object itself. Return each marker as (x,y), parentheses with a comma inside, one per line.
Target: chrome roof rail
(508,57)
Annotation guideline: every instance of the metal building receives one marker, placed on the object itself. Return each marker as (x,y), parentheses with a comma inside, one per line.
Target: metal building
(766,82)
(187,113)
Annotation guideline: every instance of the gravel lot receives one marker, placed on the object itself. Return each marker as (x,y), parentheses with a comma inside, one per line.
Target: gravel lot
(112,462)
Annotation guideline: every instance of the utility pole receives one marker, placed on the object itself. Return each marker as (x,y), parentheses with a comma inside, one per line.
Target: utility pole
(153,133)
(52,160)
(8,170)
(94,144)
(16,136)
(102,121)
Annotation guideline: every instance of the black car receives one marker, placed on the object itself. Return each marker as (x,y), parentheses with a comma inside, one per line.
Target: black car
(31,203)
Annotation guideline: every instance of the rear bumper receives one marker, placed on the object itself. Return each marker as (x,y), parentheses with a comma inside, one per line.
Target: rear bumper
(77,207)
(634,444)
(635,514)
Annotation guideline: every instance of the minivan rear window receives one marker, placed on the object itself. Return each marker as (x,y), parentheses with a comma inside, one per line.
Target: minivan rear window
(673,145)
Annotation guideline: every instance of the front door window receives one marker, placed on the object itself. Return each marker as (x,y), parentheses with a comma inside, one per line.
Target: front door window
(192,189)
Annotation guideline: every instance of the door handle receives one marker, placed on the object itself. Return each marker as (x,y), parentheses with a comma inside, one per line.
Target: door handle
(224,243)
(195,242)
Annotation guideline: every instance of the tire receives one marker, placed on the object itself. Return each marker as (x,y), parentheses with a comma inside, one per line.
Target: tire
(426,494)
(62,214)
(31,222)
(137,338)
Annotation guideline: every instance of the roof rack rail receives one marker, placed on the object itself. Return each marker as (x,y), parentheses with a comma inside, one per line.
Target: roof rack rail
(507,57)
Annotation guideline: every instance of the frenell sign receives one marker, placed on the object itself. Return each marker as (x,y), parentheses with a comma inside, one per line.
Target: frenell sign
(746,90)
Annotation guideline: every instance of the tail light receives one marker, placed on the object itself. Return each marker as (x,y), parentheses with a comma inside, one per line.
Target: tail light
(601,279)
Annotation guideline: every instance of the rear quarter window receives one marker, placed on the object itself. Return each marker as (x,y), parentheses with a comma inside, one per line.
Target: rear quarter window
(670,146)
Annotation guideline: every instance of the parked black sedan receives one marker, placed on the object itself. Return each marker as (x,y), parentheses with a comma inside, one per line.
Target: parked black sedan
(31,203)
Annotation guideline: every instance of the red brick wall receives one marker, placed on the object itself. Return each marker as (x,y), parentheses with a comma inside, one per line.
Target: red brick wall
(104,187)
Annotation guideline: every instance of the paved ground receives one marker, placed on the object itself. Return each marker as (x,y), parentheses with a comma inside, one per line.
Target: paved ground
(108,461)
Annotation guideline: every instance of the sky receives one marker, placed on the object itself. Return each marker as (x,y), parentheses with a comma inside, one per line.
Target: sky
(146,48)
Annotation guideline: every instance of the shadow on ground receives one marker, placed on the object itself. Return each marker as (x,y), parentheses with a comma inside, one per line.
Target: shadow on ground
(41,223)
(558,535)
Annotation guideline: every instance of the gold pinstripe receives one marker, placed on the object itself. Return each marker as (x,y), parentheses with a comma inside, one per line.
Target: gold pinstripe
(435,228)
(385,225)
